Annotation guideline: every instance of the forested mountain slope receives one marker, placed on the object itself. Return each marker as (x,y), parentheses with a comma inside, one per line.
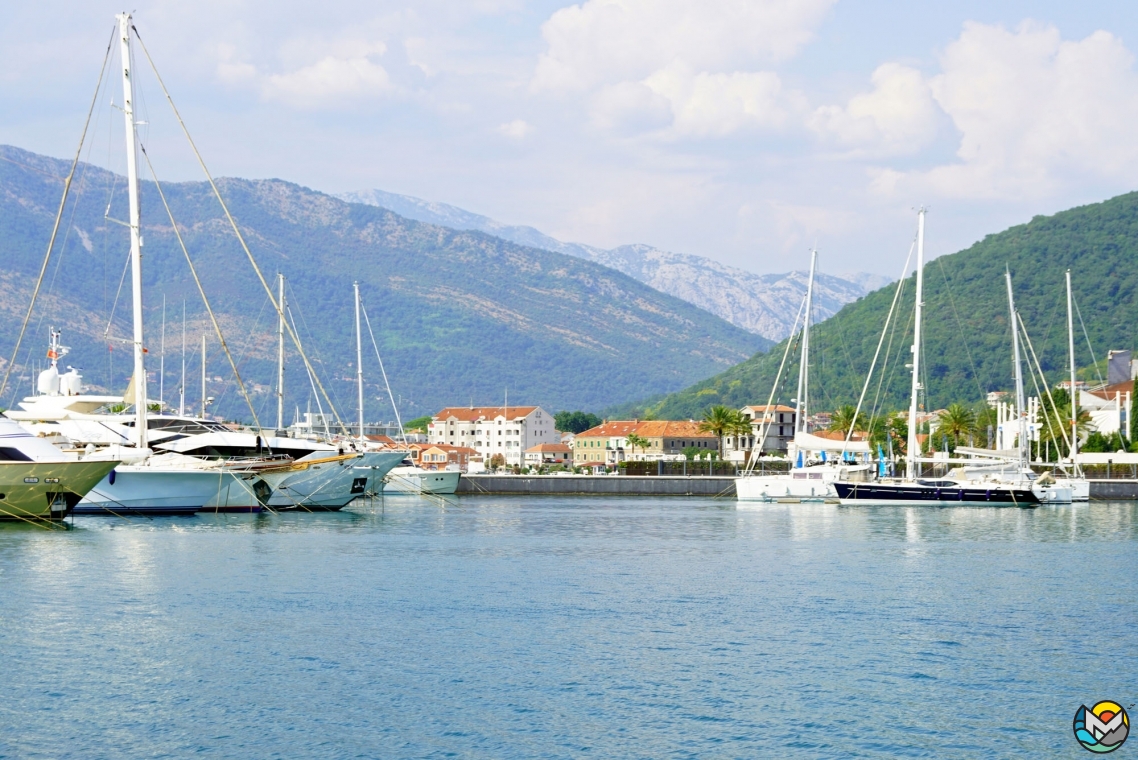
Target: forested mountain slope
(459,316)
(967,343)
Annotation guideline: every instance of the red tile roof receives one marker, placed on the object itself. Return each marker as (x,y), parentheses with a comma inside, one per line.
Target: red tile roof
(475,413)
(550,448)
(647,429)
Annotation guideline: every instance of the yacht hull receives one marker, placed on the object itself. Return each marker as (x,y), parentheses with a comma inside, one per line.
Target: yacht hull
(782,488)
(331,484)
(46,490)
(143,490)
(949,496)
(414,480)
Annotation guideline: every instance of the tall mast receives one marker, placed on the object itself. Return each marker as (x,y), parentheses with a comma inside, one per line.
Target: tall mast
(1071,351)
(802,408)
(359,363)
(182,386)
(1021,411)
(280,351)
(204,402)
(913,449)
(135,228)
(162,358)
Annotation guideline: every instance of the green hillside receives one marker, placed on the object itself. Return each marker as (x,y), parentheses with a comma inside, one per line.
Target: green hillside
(459,316)
(967,346)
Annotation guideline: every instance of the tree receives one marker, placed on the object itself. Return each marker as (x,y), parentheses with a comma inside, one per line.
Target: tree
(957,422)
(419,424)
(497,461)
(636,441)
(843,418)
(575,422)
(721,420)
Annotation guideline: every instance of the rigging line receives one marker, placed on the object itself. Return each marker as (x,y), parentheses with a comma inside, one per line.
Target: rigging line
(319,406)
(1094,362)
(201,290)
(887,369)
(375,345)
(880,341)
(312,338)
(29,167)
(960,325)
(58,216)
(244,352)
(115,304)
(774,388)
(236,230)
(1043,378)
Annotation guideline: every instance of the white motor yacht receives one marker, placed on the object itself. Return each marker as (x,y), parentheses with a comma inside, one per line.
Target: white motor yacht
(37,480)
(410,479)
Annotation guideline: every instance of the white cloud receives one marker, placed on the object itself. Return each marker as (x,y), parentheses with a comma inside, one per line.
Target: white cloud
(897,116)
(605,41)
(516,129)
(708,104)
(348,75)
(1033,111)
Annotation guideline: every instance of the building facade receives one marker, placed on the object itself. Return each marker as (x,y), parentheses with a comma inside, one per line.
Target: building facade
(491,430)
(548,453)
(775,423)
(664,439)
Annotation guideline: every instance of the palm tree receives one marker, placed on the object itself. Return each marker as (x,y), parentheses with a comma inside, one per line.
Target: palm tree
(957,421)
(635,440)
(721,420)
(844,417)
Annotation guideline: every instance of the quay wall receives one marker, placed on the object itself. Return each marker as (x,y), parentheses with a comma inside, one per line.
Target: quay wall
(1110,490)
(600,485)
(695,485)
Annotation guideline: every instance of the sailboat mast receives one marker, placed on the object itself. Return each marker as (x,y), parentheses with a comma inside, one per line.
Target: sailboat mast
(162,359)
(913,450)
(1021,411)
(135,228)
(1071,352)
(801,406)
(280,351)
(204,400)
(182,386)
(359,363)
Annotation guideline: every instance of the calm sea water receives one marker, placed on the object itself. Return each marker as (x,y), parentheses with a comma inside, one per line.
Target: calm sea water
(583,627)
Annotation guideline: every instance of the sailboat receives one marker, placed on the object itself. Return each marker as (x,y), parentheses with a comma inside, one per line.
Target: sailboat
(986,485)
(814,473)
(147,482)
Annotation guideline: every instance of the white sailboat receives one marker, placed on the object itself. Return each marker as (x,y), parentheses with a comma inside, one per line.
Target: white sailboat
(818,462)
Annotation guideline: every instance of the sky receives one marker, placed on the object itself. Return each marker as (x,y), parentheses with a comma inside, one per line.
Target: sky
(747,132)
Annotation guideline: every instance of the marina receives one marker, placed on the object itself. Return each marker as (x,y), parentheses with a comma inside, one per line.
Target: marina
(561,626)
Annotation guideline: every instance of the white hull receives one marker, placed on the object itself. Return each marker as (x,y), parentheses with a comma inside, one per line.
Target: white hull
(782,488)
(332,485)
(418,481)
(800,484)
(143,489)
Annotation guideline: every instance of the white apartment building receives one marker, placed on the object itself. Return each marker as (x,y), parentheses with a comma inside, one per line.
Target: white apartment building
(491,430)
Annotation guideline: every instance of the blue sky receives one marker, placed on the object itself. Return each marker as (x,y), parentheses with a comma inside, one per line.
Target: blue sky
(742,131)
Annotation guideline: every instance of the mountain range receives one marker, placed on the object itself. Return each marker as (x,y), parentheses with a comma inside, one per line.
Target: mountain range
(762,304)
(459,316)
(966,335)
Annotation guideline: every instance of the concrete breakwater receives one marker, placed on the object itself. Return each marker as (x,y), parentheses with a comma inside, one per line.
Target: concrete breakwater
(694,485)
(601,485)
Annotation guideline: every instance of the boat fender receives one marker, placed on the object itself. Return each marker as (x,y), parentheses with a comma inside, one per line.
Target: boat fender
(111,478)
